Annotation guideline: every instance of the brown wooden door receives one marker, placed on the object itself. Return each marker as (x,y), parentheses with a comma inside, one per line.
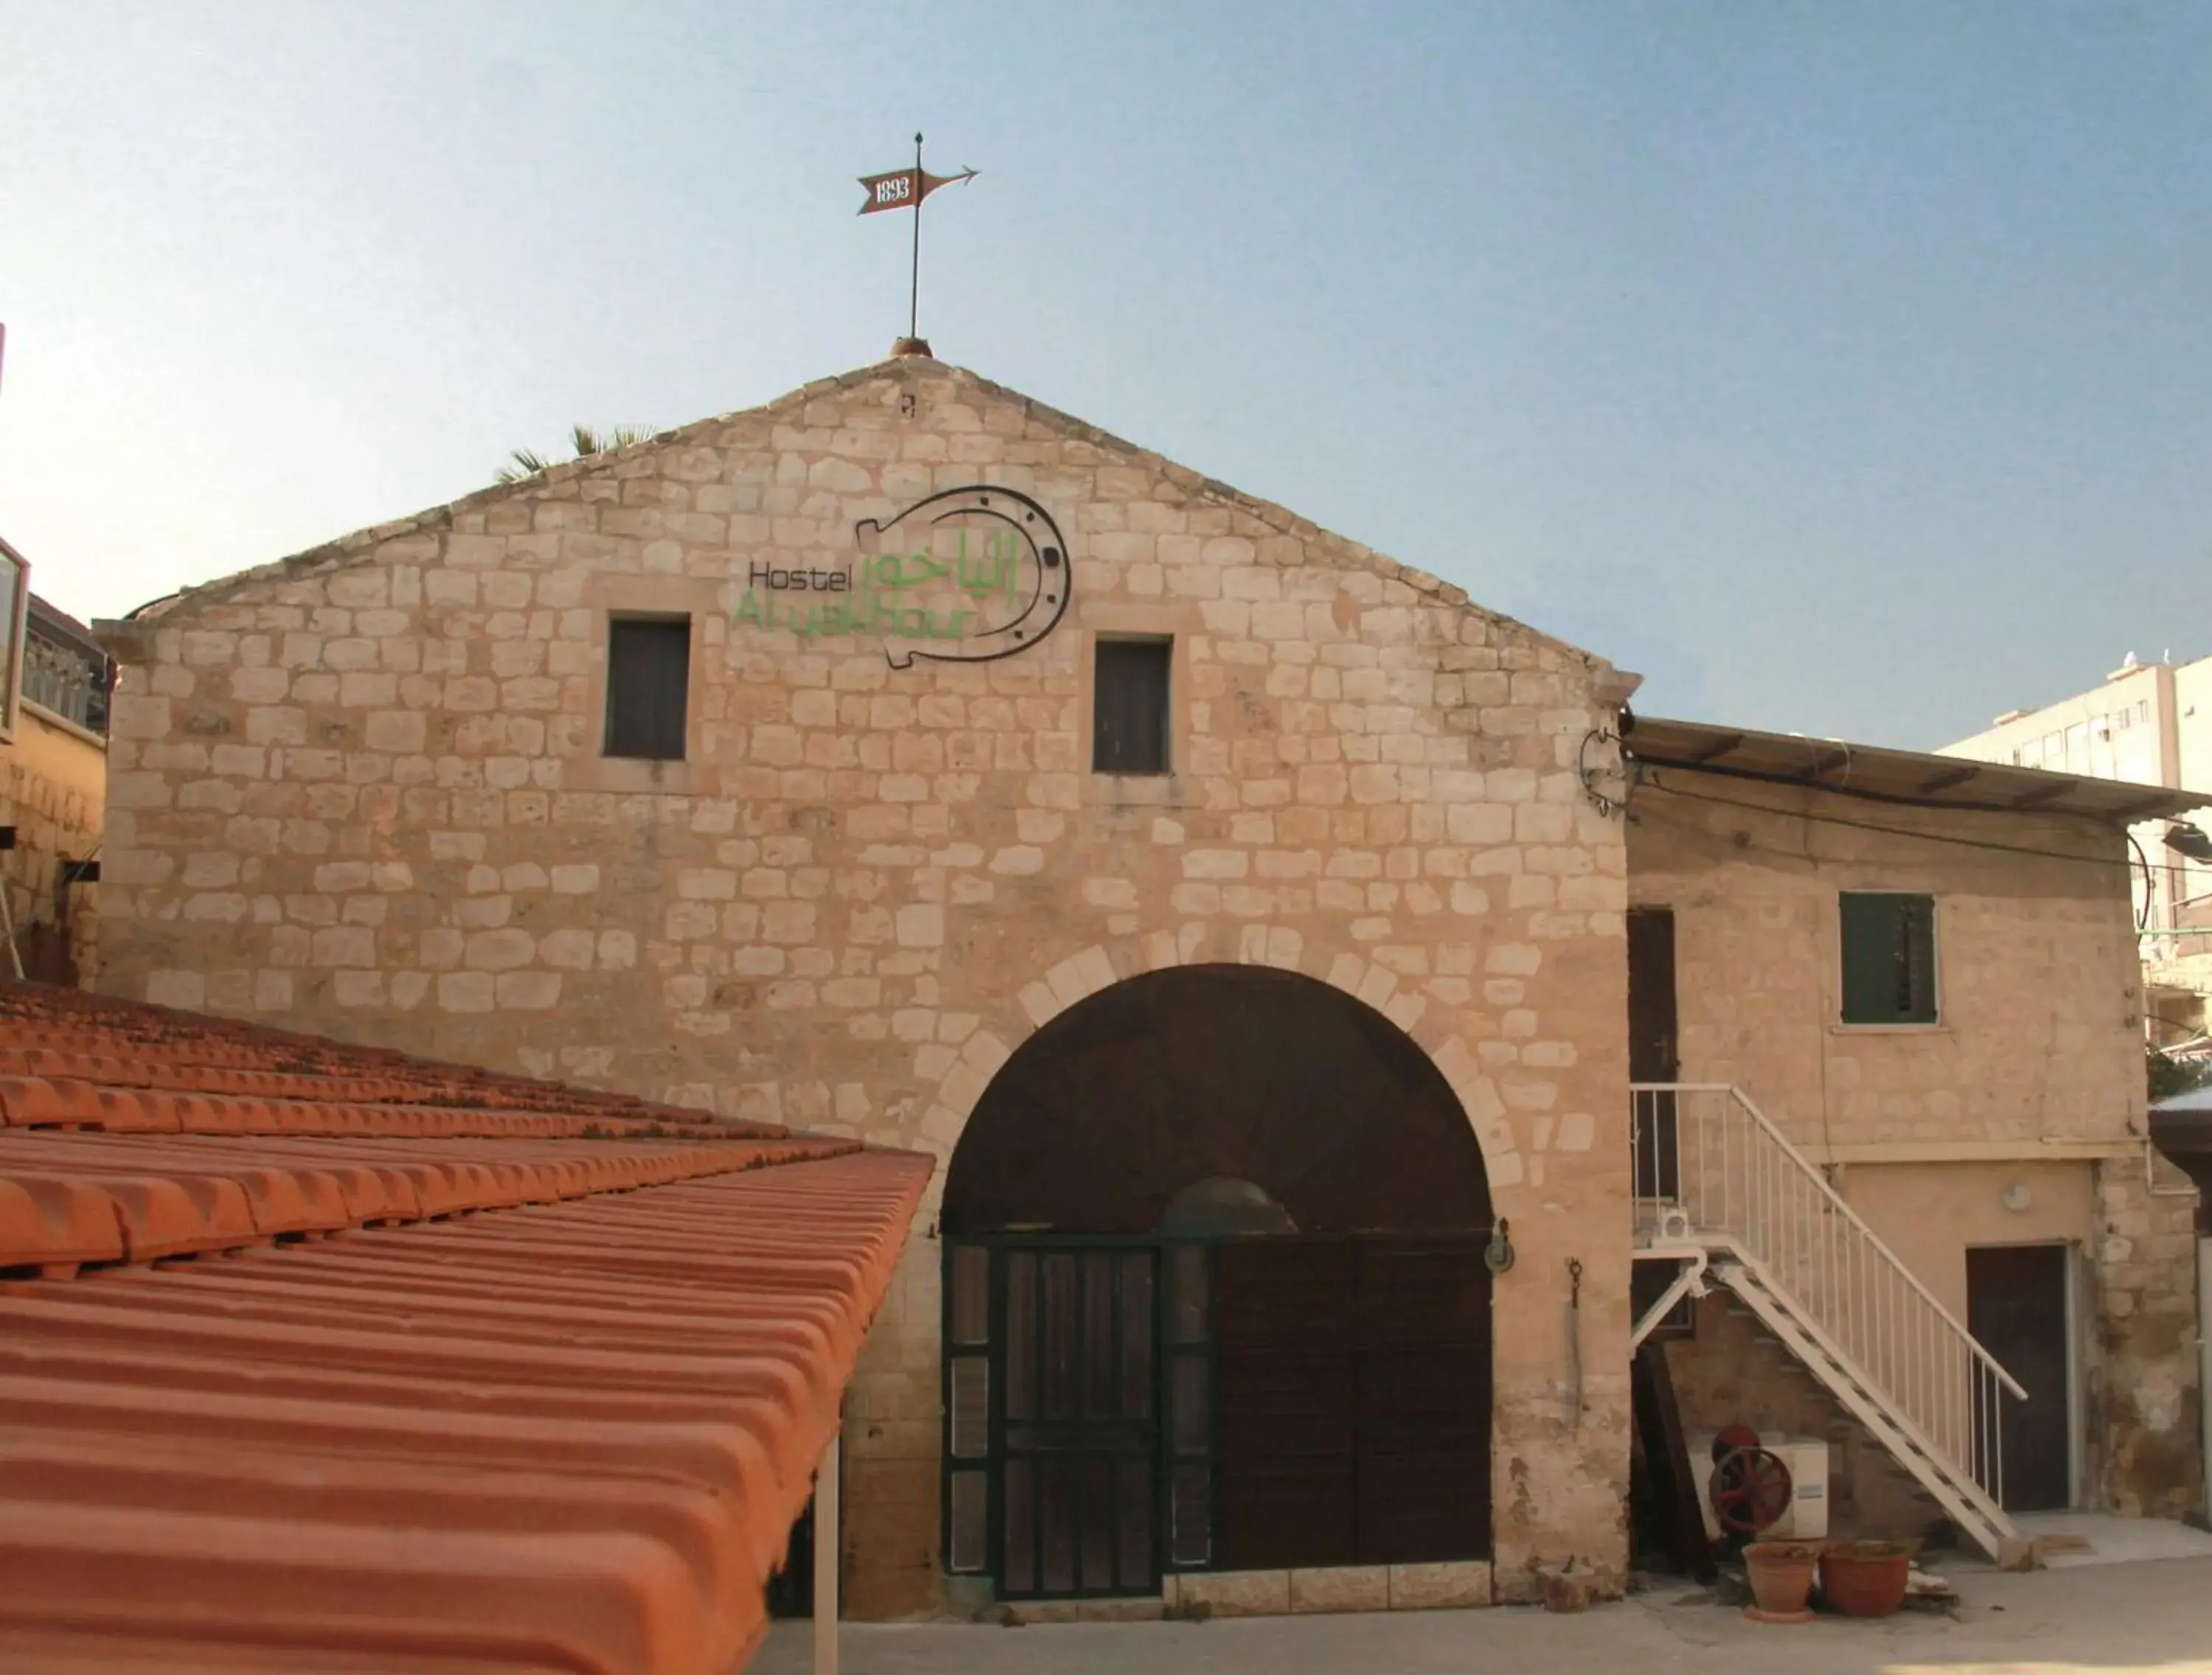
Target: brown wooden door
(1285,1436)
(2016,1307)
(1653,1054)
(1353,1425)
(1423,1452)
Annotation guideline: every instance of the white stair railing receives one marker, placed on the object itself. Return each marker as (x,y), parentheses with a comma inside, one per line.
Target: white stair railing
(1704,1149)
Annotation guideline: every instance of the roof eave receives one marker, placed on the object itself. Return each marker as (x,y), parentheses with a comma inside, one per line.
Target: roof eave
(1914,777)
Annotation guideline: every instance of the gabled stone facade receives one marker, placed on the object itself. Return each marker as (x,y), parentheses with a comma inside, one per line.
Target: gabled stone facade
(363,791)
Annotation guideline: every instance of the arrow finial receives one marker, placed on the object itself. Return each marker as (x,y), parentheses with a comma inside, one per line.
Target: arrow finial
(904,189)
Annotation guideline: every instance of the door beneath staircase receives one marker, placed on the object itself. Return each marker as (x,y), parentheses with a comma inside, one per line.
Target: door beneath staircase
(2017,1307)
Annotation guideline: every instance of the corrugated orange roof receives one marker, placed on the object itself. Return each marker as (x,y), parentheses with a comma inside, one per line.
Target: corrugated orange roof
(366,1363)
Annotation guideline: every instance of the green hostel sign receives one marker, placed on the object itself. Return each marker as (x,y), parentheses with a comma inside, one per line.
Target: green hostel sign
(965,575)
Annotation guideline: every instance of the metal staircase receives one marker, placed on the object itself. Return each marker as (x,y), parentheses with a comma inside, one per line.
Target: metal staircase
(1719,1189)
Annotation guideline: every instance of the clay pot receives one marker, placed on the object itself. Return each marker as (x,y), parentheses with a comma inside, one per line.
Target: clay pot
(1865,1578)
(1781,1575)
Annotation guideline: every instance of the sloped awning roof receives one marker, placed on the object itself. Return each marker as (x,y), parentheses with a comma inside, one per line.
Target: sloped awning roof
(1896,776)
(314,1356)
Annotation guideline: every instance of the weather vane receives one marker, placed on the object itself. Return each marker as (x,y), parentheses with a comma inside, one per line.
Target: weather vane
(904,189)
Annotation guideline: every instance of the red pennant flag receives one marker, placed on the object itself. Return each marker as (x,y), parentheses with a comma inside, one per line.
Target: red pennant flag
(905,188)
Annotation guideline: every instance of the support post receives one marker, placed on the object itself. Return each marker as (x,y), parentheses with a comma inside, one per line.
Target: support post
(827,1546)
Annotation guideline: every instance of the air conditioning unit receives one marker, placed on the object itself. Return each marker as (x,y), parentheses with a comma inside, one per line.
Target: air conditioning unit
(1674,1224)
(1806,1518)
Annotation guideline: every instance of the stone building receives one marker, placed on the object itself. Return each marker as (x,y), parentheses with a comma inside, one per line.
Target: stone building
(2150,723)
(1923,974)
(53,771)
(1242,917)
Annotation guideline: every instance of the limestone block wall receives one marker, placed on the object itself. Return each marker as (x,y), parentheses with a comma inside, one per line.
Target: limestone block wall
(2040,1036)
(2146,1397)
(362,792)
(1730,1372)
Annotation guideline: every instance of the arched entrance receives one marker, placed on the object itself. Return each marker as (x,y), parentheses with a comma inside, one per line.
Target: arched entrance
(1215,1296)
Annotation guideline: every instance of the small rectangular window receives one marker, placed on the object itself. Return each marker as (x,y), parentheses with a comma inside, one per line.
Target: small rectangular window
(1889,957)
(1129,706)
(648,687)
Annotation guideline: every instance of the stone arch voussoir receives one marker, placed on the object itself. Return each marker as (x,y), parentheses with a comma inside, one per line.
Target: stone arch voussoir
(967,1050)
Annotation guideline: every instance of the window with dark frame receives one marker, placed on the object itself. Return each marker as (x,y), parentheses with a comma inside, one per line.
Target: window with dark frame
(1129,705)
(1889,957)
(648,687)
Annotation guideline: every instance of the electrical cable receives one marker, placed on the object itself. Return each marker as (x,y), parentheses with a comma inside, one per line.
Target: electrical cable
(2150,884)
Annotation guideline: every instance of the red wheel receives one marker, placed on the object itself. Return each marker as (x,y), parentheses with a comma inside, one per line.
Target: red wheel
(1750,1490)
(1730,1438)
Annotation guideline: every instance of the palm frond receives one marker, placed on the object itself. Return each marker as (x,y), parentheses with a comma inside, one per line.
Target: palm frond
(528,461)
(590,442)
(522,463)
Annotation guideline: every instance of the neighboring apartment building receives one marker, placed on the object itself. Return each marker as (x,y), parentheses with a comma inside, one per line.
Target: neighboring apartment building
(2150,724)
(53,771)
(1243,920)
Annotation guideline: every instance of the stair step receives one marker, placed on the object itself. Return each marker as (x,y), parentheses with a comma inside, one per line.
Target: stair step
(1780,1319)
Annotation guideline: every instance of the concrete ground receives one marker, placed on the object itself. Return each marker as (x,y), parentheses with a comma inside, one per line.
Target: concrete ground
(2103,1538)
(2131,1618)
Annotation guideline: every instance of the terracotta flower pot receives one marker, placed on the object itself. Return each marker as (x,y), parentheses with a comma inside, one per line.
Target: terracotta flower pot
(1865,1578)
(1781,1575)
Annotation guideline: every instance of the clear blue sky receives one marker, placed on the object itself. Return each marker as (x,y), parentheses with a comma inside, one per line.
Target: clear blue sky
(1845,368)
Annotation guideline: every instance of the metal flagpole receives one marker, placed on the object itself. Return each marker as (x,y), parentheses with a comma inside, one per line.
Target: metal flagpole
(904,189)
(914,285)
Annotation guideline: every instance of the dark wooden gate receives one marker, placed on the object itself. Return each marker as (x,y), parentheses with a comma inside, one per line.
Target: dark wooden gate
(1354,1420)
(1076,1433)
(2016,1307)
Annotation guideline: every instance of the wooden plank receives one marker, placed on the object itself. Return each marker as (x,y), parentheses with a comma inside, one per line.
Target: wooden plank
(1666,1458)
(1957,776)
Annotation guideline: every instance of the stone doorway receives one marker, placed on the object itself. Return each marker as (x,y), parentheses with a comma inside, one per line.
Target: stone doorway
(1214,1295)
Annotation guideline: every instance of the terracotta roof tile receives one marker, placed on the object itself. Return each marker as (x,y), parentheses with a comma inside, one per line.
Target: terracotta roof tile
(387,1384)
(64,1033)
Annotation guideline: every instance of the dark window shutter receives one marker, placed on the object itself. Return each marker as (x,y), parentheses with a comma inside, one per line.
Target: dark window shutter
(1129,706)
(1917,933)
(648,687)
(1869,931)
(1889,957)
